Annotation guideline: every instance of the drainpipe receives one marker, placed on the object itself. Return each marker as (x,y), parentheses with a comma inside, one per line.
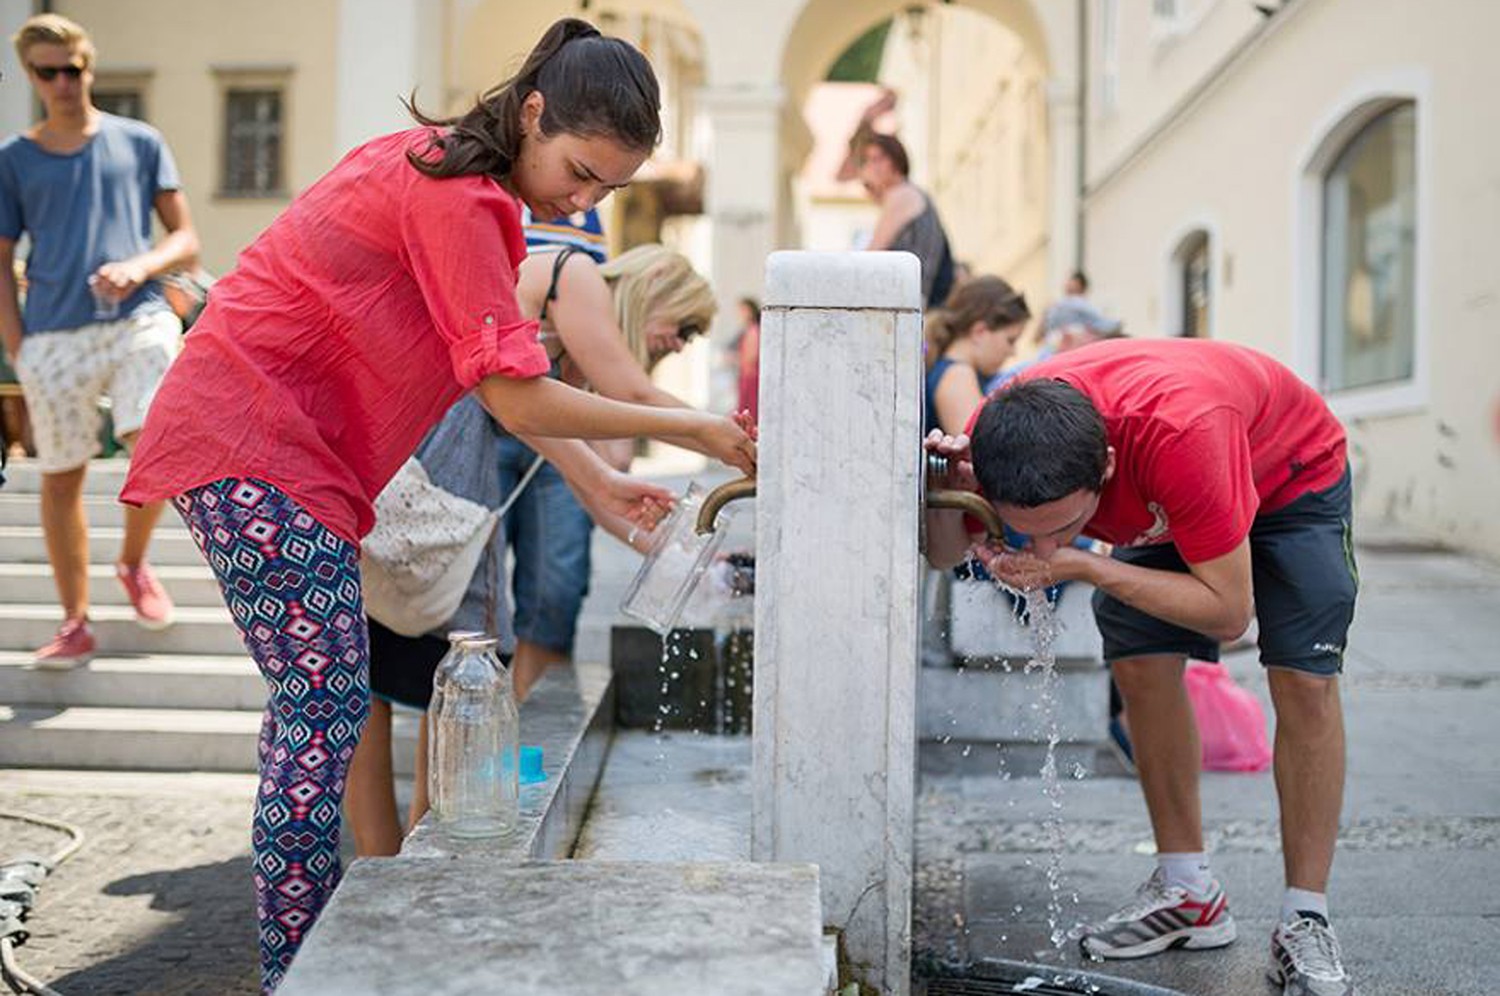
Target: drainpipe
(1083,133)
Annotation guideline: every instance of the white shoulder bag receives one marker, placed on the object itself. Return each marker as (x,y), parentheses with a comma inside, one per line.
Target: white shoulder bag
(417,562)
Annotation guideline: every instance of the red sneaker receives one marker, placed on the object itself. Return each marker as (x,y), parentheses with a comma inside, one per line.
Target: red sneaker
(73,645)
(153,606)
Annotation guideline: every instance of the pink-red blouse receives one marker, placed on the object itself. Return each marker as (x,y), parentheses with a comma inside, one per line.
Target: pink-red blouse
(345,332)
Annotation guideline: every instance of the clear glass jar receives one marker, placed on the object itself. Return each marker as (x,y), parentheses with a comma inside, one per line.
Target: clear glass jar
(476,743)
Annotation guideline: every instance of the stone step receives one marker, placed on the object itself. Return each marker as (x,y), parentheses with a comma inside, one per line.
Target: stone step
(197,630)
(104,478)
(992,702)
(31,584)
(170,545)
(147,681)
(567,928)
(982,624)
(102,511)
(147,739)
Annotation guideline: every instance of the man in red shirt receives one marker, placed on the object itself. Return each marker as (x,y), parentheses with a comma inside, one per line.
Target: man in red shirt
(1221,480)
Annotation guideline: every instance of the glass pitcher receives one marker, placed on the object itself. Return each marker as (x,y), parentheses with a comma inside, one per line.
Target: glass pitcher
(674,564)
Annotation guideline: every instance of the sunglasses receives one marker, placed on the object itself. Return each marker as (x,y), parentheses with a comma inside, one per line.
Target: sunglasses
(688,331)
(49,73)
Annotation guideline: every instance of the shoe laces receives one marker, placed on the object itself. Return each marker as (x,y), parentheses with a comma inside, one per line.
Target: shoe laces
(1314,949)
(1152,895)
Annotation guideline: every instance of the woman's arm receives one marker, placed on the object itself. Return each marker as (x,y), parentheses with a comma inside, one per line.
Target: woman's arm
(614,500)
(956,397)
(540,406)
(583,316)
(898,208)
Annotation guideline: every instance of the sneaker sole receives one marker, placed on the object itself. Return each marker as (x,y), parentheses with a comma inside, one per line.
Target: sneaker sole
(60,663)
(1278,978)
(154,625)
(1189,938)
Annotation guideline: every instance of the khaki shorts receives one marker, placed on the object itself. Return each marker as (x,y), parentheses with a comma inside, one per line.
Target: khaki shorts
(64,375)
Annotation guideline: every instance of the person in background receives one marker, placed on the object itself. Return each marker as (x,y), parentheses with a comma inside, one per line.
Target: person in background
(968,341)
(908,219)
(581,230)
(606,327)
(83,185)
(1068,324)
(747,348)
(295,401)
(1223,482)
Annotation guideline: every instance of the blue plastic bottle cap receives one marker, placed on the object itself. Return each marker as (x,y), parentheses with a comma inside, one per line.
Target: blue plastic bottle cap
(531,766)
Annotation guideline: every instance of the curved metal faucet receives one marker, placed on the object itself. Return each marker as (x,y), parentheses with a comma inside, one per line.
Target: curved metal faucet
(720,496)
(964,501)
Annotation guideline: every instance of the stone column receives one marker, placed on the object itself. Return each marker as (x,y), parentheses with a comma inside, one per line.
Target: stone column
(16,96)
(837,590)
(1063,121)
(742,190)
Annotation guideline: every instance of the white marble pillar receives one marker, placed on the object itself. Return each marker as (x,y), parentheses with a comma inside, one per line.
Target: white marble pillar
(837,600)
(1062,245)
(743,128)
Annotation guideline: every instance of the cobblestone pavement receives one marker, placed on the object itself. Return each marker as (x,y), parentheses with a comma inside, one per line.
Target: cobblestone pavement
(158,900)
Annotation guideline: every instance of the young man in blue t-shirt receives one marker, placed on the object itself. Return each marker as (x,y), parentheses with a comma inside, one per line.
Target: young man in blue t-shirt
(83,185)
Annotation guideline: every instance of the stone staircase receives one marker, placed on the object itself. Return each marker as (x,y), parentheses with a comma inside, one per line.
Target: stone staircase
(184,699)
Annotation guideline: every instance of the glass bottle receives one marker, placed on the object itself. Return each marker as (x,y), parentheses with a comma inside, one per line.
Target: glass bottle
(439,678)
(476,745)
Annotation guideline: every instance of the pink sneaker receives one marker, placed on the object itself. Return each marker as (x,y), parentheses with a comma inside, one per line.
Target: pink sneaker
(153,606)
(73,645)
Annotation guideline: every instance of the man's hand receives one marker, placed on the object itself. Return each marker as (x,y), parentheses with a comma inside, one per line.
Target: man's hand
(119,280)
(1024,570)
(960,476)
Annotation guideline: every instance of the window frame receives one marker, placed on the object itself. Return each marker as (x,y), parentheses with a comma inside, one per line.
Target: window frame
(1179,245)
(1347,118)
(114,82)
(239,79)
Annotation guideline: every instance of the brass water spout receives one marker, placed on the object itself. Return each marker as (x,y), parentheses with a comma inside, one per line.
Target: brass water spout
(964,501)
(718,498)
(975,505)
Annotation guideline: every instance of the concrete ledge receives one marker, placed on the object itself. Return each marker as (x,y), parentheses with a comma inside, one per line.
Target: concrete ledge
(867,281)
(993,705)
(570,716)
(409,926)
(982,623)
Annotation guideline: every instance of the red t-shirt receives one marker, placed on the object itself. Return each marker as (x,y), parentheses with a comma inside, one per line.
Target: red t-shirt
(348,328)
(1206,435)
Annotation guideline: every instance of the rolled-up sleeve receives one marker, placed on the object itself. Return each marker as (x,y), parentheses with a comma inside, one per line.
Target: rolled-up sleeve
(462,240)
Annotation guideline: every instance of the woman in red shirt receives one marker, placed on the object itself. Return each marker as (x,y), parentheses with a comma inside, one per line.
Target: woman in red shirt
(378,298)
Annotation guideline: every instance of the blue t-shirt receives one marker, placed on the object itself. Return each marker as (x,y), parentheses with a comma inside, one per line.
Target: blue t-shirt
(83,210)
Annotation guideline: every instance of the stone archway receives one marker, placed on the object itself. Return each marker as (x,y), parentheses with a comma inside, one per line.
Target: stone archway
(1044,130)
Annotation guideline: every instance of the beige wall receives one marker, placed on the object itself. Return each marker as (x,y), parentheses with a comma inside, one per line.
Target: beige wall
(180,44)
(1234,163)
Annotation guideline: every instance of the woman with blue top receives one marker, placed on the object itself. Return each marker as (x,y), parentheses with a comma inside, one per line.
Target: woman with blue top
(968,341)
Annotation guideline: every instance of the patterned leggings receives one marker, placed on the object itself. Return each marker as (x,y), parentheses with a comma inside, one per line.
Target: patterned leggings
(292,587)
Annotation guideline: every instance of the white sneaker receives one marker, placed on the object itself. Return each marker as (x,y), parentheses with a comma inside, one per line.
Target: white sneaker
(1161,917)
(1305,959)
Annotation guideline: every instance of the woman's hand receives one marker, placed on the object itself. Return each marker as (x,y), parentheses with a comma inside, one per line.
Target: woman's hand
(731,440)
(642,502)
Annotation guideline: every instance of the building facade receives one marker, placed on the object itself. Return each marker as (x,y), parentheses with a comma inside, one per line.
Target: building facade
(1313,179)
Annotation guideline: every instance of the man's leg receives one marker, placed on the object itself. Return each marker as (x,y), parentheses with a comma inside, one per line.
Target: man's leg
(139,522)
(1167,753)
(1309,764)
(67,534)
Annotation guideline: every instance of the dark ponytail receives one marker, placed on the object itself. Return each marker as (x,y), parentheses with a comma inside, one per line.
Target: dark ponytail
(592,86)
(982,299)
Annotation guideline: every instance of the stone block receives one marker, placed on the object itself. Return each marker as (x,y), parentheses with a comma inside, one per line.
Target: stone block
(982,623)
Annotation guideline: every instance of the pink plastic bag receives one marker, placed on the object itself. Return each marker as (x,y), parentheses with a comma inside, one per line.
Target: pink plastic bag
(1231,723)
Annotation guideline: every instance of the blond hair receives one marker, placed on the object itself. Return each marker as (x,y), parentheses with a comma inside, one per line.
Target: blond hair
(54,29)
(652,280)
